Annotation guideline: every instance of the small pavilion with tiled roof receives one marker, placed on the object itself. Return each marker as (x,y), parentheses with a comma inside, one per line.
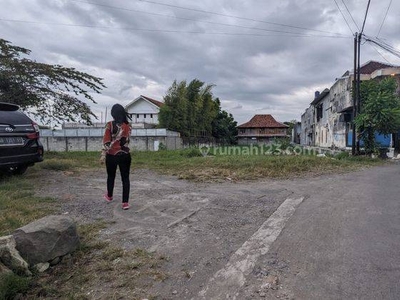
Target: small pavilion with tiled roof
(261,129)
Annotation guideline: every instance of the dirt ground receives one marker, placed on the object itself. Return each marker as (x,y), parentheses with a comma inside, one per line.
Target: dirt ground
(198,226)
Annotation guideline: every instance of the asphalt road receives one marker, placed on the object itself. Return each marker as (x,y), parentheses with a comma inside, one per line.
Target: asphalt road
(343,241)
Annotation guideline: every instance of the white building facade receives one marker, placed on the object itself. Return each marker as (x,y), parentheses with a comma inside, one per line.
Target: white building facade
(327,122)
(144,112)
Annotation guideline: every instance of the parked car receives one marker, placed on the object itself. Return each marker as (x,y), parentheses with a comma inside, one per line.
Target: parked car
(19,140)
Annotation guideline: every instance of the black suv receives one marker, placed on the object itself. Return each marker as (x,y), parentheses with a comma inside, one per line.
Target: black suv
(19,140)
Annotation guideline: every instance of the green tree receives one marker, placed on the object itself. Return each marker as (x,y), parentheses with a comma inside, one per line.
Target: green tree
(207,111)
(173,115)
(192,110)
(194,100)
(291,125)
(50,92)
(380,111)
(224,126)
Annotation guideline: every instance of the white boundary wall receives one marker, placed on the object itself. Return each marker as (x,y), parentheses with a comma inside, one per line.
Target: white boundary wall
(90,139)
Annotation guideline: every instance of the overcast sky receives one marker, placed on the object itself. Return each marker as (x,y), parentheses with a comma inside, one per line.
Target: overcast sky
(264,56)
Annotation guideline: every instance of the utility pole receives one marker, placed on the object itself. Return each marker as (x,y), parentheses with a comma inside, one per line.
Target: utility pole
(355,93)
(357,100)
(355,143)
(358,85)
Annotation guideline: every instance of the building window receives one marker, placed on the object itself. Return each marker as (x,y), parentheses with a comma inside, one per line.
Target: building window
(137,116)
(151,116)
(320,112)
(144,116)
(242,130)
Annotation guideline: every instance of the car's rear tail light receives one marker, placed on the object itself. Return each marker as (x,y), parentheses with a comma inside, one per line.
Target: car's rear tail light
(34,135)
(35,126)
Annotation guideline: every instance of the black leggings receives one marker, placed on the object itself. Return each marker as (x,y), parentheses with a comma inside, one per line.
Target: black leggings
(124,163)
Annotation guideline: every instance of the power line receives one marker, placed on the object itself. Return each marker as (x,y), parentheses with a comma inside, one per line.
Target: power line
(235,17)
(163,30)
(351,16)
(343,16)
(383,45)
(384,19)
(365,18)
(186,19)
(373,47)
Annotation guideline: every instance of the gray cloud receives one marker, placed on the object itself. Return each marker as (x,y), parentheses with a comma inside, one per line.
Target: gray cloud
(266,72)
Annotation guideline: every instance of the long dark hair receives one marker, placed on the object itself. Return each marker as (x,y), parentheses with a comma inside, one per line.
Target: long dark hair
(119,114)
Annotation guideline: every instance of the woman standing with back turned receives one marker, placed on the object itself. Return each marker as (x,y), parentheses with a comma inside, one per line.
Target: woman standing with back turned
(116,153)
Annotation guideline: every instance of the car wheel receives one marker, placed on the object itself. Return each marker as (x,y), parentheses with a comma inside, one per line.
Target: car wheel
(18,170)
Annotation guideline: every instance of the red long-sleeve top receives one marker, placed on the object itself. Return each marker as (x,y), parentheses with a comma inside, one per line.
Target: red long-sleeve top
(116,138)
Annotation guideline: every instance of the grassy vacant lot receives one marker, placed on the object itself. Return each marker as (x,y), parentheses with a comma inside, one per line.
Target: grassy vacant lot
(190,164)
(86,275)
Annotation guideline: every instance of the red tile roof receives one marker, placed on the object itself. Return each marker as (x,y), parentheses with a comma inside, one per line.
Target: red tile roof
(155,102)
(372,66)
(263,121)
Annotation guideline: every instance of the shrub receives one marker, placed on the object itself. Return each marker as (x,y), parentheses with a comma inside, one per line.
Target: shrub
(191,152)
(283,143)
(342,155)
(162,147)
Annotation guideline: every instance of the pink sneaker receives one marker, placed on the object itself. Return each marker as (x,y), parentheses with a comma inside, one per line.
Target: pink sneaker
(108,199)
(125,206)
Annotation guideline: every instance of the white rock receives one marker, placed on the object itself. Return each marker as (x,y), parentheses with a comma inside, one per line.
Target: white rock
(41,267)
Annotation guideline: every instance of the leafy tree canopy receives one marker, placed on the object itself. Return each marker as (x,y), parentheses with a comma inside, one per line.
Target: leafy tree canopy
(224,126)
(380,110)
(50,92)
(192,110)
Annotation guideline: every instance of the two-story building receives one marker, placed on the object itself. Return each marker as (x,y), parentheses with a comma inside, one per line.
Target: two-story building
(328,120)
(144,111)
(307,127)
(322,127)
(261,129)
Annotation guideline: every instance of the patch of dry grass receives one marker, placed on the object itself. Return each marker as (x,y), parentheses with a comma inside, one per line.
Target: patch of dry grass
(99,270)
(69,161)
(238,168)
(191,165)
